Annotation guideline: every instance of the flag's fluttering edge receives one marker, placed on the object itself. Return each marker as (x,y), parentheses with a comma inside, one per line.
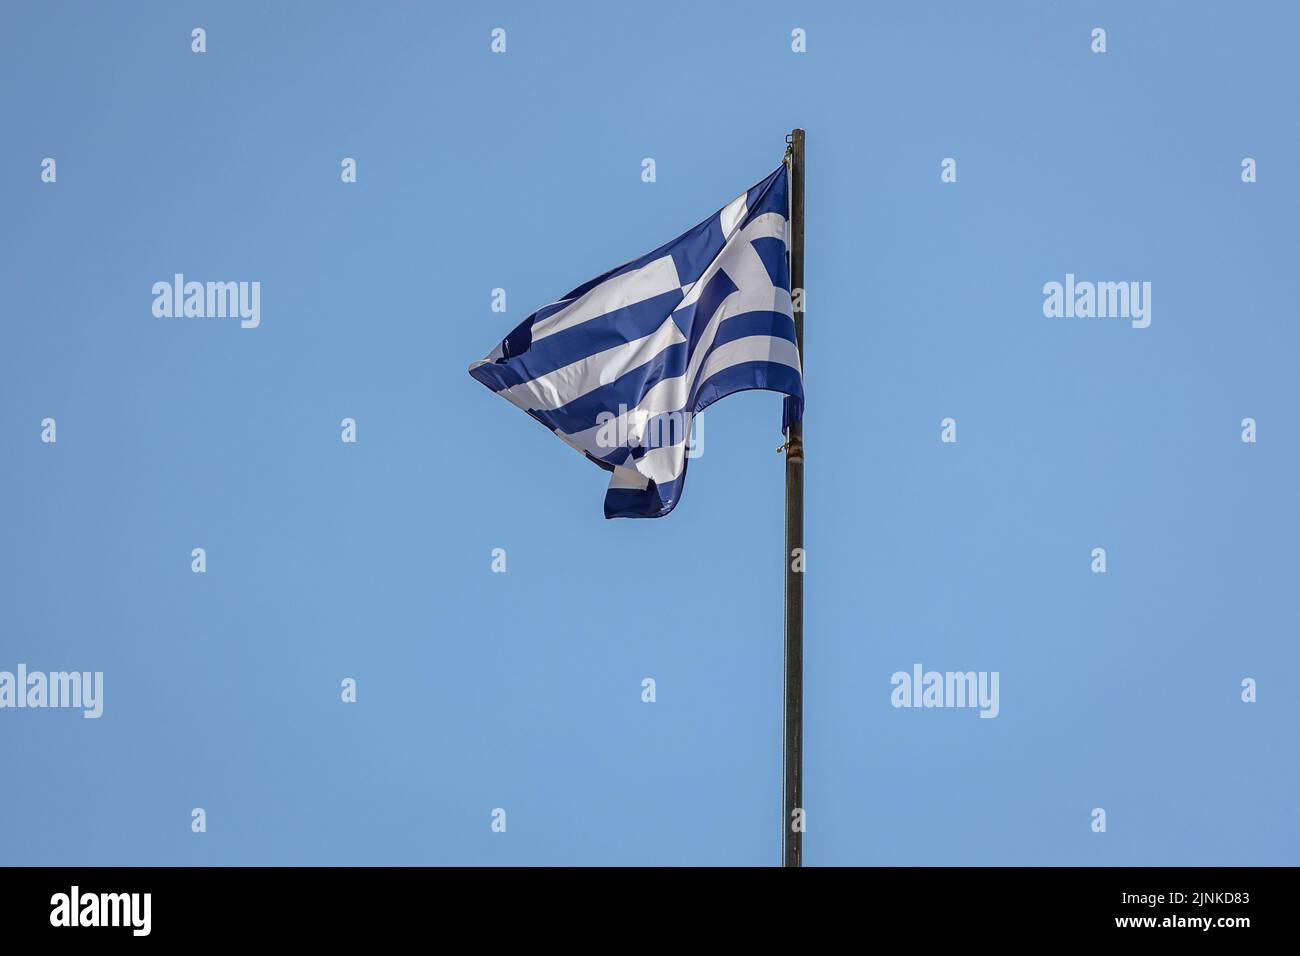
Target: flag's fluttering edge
(620,365)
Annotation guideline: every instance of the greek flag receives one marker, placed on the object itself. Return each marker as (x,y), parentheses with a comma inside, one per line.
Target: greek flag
(619,367)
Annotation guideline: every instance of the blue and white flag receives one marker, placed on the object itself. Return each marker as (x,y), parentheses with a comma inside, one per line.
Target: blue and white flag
(619,367)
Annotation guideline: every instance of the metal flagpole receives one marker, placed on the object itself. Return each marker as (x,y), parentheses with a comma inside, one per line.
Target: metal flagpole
(792,835)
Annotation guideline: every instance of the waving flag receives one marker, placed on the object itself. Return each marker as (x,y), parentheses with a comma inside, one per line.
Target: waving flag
(620,366)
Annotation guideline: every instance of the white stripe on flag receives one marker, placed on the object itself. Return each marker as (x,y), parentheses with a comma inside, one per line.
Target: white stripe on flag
(753,348)
(652,279)
(667,395)
(557,388)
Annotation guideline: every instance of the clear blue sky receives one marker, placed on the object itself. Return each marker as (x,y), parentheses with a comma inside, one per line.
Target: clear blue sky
(523,690)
